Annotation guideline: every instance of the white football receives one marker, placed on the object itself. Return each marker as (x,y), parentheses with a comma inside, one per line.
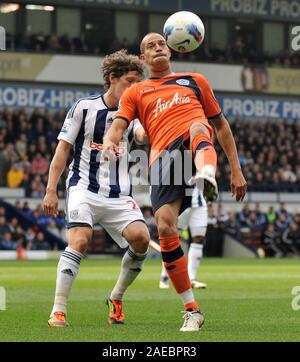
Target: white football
(184,31)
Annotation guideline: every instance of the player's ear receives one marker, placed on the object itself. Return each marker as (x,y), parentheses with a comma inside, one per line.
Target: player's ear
(112,76)
(142,57)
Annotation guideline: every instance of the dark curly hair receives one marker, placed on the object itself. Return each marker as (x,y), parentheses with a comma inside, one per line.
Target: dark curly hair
(120,63)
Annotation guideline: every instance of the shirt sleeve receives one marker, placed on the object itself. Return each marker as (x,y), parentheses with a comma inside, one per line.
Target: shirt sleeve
(127,105)
(208,100)
(72,124)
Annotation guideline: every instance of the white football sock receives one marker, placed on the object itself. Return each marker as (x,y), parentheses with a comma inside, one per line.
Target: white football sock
(194,257)
(132,264)
(187,296)
(67,270)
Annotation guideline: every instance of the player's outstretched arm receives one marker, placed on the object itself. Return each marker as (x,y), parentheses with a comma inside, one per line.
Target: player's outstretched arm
(57,166)
(113,137)
(226,140)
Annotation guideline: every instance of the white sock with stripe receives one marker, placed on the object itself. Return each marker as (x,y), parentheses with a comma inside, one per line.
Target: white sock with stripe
(67,270)
(132,264)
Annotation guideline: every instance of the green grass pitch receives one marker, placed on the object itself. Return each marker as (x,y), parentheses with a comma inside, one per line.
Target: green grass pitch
(246,300)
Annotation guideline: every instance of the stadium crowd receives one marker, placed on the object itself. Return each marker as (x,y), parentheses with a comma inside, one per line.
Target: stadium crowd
(269,153)
(13,236)
(28,141)
(238,52)
(276,231)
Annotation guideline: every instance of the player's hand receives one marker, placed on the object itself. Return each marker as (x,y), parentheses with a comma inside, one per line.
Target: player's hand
(110,151)
(50,203)
(238,185)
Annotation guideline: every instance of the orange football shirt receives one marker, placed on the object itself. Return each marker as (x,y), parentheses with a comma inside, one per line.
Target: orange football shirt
(168,106)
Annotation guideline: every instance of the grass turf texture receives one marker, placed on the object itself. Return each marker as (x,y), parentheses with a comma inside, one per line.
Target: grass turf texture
(246,300)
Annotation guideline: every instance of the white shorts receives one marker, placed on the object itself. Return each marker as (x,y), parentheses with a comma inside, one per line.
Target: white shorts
(194,218)
(113,214)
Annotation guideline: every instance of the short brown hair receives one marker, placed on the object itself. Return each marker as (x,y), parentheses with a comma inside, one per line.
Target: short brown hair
(120,63)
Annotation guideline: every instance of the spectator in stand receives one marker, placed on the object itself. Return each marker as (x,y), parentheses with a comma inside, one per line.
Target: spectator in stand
(26,209)
(270,242)
(231,225)
(15,176)
(252,222)
(21,145)
(281,224)
(283,211)
(19,237)
(6,242)
(243,216)
(291,239)
(39,242)
(271,215)
(30,236)
(13,224)
(4,225)
(261,218)
(32,151)
(37,187)
(39,165)
(18,205)
(53,44)
(7,157)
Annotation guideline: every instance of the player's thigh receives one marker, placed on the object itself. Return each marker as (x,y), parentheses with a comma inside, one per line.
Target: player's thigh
(198,221)
(136,231)
(119,213)
(137,235)
(167,218)
(79,208)
(200,127)
(79,217)
(170,173)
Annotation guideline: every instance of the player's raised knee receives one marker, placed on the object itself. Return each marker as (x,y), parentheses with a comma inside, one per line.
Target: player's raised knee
(137,236)
(166,225)
(198,128)
(78,239)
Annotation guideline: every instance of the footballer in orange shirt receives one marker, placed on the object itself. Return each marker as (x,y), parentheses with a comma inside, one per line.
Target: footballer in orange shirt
(174,110)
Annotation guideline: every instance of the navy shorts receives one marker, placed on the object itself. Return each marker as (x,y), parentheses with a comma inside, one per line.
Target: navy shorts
(168,183)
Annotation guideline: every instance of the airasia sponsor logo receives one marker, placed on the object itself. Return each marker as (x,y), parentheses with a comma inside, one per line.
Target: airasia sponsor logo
(162,105)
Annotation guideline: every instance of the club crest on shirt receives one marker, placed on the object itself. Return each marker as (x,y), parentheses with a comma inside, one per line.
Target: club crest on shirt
(182,81)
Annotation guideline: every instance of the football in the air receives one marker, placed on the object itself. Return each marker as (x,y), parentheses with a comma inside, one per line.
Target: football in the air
(184,31)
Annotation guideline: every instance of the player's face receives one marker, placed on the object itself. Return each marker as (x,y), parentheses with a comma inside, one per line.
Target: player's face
(155,50)
(124,82)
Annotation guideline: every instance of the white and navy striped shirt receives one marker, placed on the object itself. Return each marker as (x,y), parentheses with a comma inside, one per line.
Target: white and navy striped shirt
(84,127)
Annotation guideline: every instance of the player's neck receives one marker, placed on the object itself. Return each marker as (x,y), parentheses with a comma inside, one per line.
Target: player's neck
(110,99)
(160,73)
